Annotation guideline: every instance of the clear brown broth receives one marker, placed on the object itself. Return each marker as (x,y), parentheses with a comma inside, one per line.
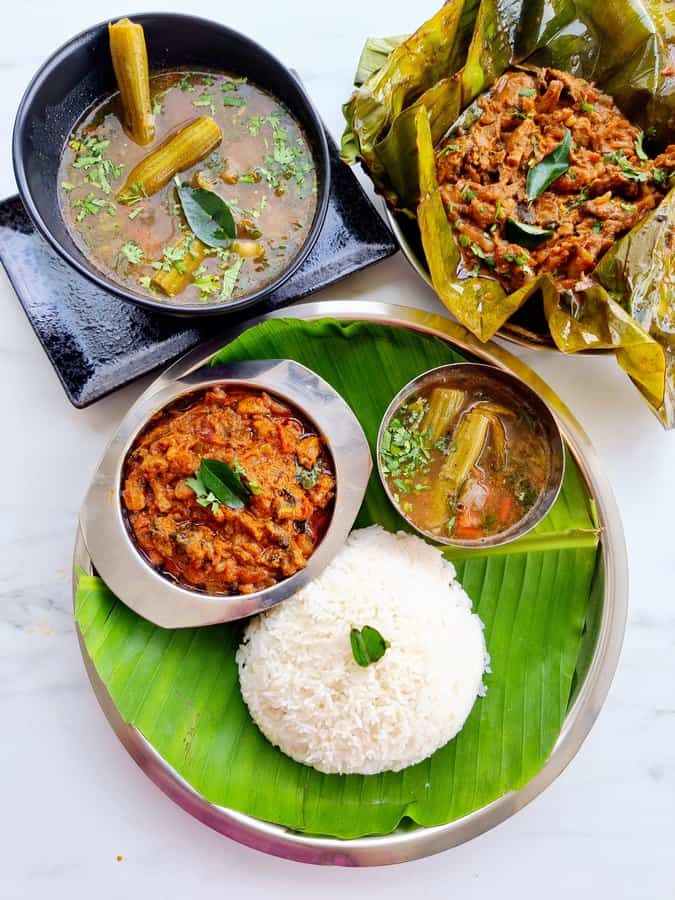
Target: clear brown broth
(276,211)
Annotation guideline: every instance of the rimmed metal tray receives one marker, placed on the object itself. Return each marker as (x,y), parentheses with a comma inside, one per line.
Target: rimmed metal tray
(405,845)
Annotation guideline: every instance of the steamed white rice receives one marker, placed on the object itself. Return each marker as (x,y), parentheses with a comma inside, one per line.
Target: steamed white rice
(309,697)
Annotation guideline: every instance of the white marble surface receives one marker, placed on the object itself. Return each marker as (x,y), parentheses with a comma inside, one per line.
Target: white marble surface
(71,800)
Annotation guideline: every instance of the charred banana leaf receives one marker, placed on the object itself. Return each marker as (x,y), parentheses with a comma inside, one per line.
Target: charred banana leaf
(426,86)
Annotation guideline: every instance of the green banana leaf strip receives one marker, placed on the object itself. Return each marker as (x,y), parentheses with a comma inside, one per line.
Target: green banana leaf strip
(628,48)
(180,688)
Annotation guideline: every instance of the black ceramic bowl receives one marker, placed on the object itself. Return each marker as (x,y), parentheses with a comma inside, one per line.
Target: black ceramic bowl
(80,73)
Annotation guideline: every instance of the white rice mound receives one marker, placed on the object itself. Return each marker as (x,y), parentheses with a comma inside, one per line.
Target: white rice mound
(305,690)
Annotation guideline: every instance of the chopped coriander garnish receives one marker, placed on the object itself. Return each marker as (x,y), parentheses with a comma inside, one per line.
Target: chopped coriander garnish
(639,149)
(255,123)
(234,101)
(133,252)
(92,205)
(527,92)
(449,148)
(481,254)
(618,157)
(208,283)
(133,194)
(230,276)
(597,227)
(307,478)
(404,449)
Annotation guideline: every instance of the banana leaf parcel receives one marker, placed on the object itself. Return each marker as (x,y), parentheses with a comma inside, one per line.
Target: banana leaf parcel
(412,93)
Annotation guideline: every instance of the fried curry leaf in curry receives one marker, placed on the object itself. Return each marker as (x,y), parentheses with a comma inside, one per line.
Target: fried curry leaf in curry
(211,495)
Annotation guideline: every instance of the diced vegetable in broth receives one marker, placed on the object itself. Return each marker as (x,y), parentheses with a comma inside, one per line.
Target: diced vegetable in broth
(463,462)
(213,131)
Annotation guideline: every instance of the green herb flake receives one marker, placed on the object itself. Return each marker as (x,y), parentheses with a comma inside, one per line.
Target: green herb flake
(618,157)
(639,149)
(527,92)
(207,282)
(307,478)
(449,148)
(368,645)
(133,252)
(485,257)
(230,275)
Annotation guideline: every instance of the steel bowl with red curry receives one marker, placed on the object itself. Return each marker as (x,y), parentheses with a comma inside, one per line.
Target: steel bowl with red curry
(229,490)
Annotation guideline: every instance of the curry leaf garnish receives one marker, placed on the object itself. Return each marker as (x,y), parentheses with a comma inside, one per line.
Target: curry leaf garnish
(204,497)
(525,235)
(551,167)
(217,482)
(368,645)
(208,215)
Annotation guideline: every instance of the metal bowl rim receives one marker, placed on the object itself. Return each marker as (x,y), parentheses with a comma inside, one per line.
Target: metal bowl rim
(402,847)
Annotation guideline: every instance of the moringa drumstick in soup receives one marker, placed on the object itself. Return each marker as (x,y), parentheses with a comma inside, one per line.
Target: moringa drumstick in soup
(262,169)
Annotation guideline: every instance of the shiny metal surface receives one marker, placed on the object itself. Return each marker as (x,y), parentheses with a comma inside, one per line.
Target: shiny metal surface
(446,375)
(587,702)
(130,575)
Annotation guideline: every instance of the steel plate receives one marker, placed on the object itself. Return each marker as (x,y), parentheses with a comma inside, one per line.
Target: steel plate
(405,845)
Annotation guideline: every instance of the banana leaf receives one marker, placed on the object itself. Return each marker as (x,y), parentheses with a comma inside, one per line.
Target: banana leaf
(180,688)
(628,48)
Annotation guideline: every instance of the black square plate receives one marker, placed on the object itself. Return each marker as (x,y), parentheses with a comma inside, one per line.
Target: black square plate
(97,342)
